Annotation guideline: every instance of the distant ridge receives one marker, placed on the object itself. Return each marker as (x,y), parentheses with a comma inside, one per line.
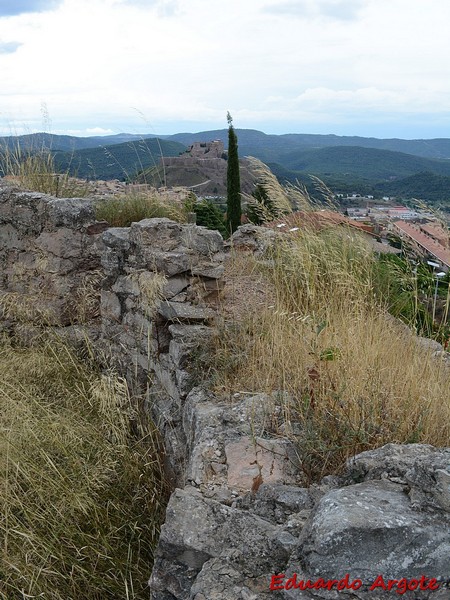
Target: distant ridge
(268,146)
(404,168)
(64,143)
(273,147)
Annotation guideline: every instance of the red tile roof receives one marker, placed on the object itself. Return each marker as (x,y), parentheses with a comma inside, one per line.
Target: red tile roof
(425,241)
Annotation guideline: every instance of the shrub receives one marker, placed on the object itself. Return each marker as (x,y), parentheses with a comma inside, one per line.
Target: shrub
(207,214)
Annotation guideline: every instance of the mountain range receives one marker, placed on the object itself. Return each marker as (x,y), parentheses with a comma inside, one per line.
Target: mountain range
(418,168)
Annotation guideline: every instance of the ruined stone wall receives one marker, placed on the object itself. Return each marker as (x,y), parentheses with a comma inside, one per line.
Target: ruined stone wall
(146,291)
(50,252)
(239,516)
(161,281)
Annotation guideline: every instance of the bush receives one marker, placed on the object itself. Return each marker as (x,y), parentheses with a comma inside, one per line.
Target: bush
(208,214)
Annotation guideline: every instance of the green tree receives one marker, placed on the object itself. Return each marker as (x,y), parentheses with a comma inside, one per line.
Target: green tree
(208,214)
(234,210)
(260,207)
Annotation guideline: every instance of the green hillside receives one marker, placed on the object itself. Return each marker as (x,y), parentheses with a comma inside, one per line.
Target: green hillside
(427,186)
(367,163)
(272,148)
(64,143)
(119,161)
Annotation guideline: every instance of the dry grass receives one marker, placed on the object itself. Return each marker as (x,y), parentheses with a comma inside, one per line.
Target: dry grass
(35,170)
(349,378)
(81,488)
(122,210)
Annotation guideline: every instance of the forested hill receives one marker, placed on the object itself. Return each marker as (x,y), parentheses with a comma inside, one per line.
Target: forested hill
(426,186)
(367,163)
(272,148)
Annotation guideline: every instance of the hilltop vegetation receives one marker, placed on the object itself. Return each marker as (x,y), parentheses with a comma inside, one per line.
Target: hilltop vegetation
(367,163)
(426,185)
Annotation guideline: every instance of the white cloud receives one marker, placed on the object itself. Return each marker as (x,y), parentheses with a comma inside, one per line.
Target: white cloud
(94,62)
(334,9)
(99,131)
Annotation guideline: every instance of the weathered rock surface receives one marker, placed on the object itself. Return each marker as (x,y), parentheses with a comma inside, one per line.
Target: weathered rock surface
(370,529)
(50,257)
(254,238)
(365,530)
(247,544)
(425,471)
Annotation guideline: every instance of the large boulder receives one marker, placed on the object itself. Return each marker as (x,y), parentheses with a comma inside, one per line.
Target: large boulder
(367,530)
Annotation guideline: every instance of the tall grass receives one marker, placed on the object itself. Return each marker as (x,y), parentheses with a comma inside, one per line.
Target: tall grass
(347,377)
(34,169)
(122,210)
(82,492)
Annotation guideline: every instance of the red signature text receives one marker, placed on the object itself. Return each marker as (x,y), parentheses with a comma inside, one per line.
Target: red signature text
(400,586)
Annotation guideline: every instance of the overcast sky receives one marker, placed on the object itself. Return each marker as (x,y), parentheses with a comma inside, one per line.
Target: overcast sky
(376,68)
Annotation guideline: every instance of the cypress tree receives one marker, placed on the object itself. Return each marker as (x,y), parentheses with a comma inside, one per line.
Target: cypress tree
(234,210)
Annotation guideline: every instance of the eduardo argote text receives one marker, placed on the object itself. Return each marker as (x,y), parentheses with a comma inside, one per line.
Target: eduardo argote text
(400,586)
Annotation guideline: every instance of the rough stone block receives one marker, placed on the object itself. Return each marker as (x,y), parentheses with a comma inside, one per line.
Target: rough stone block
(110,306)
(9,238)
(210,270)
(424,468)
(126,284)
(70,212)
(169,263)
(212,530)
(367,530)
(64,243)
(250,463)
(178,311)
(175,285)
(277,502)
(117,238)
(190,333)
(202,240)
(163,234)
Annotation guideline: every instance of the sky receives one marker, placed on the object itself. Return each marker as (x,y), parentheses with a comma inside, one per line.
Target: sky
(377,68)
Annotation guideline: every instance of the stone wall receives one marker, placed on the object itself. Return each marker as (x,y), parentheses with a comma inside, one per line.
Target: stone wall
(161,279)
(239,519)
(50,252)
